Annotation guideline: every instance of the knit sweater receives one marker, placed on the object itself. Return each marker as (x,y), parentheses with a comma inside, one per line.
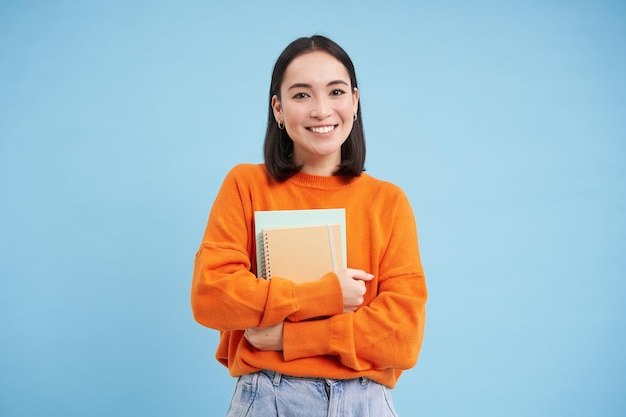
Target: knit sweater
(378,341)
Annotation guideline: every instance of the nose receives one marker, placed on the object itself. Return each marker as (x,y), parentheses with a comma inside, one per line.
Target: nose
(321,108)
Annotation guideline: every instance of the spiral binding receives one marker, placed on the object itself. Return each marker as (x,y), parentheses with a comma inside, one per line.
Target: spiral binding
(266,258)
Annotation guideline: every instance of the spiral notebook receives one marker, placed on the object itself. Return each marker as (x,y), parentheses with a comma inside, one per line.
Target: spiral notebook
(301,235)
(302,254)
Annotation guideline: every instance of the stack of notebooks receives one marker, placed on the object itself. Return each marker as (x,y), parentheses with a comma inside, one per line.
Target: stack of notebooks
(301,245)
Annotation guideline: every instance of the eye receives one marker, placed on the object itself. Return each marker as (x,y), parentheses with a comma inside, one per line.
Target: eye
(300,95)
(337,92)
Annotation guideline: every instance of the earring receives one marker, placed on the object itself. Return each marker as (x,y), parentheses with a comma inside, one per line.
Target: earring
(355,117)
(281,125)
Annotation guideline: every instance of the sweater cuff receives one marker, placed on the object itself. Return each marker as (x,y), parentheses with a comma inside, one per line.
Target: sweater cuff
(307,339)
(315,299)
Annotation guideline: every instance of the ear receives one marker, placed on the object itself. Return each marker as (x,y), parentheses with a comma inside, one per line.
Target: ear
(355,100)
(278,109)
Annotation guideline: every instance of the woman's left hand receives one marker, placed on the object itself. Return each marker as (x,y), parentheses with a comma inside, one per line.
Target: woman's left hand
(267,338)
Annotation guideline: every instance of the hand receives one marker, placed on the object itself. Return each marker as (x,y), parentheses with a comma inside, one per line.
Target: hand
(267,338)
(352,283)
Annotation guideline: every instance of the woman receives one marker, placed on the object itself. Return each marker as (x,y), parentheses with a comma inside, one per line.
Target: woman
(334,346)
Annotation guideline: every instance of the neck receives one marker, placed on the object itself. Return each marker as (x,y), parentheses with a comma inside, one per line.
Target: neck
(322,166)
(321,171)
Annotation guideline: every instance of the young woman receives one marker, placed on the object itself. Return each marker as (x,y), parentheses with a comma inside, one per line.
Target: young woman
(335,346)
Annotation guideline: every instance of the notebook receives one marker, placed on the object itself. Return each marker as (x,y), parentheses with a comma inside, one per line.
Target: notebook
(303,253)
(297,218)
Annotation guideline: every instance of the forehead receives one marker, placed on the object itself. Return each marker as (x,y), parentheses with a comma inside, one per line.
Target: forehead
(315,67)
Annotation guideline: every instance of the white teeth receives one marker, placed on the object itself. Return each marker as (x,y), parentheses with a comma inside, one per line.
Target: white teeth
(323,129)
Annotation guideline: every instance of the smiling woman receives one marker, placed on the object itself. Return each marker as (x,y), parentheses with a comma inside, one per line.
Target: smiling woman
(317,108)
(338,73)
(338,344)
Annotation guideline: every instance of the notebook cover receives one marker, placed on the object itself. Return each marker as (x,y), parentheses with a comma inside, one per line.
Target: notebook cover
(302,254)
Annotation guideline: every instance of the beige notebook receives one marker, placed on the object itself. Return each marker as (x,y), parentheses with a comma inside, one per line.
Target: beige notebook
(301,254)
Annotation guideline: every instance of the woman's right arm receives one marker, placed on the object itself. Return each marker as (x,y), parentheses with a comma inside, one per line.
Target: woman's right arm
(226,295)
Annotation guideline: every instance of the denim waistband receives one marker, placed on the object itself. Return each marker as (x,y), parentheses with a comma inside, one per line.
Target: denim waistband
(277,376)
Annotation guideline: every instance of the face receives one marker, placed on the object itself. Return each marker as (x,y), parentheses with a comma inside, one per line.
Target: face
(317,107)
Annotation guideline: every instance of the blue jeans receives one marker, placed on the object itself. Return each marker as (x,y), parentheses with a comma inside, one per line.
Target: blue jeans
(270,394)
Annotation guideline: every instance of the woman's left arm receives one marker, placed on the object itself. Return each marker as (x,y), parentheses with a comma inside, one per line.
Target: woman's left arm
(387,332)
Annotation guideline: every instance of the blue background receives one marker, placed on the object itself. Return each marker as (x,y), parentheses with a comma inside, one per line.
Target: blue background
(503,121)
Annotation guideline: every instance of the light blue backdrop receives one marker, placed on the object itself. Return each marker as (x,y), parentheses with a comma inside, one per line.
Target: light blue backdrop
(503,121)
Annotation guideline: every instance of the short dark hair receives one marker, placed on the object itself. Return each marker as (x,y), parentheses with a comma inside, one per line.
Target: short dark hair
(278,146)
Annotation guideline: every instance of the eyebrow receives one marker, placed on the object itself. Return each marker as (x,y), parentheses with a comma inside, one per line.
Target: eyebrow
(305,85)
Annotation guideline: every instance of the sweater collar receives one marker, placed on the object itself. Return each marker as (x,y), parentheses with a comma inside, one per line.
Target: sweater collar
(322,182)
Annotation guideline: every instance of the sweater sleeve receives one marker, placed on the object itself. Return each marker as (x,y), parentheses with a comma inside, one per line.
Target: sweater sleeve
(386,332)
(225,293)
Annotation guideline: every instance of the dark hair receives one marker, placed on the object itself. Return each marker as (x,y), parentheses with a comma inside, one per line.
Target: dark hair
(278,146)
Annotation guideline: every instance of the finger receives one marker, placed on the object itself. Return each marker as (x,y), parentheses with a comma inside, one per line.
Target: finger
(363,276)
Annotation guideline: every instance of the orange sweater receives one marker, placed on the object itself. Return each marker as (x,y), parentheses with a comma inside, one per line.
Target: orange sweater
(378,341)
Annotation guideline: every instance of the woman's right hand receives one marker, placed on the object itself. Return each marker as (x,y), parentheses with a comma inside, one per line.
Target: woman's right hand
(352,283)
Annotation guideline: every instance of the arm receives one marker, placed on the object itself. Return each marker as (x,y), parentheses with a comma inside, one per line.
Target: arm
(226,295)
(387,331)
(353,287)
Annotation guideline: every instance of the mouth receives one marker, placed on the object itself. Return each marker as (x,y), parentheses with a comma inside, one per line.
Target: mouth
(322,129)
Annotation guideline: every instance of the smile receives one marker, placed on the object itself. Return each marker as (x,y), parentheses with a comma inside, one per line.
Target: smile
(322,129)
